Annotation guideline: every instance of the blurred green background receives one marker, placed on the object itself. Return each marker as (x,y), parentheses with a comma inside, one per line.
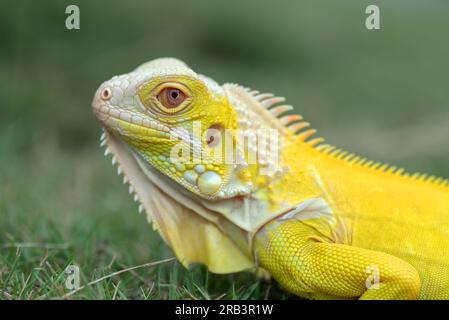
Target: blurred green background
(383,94)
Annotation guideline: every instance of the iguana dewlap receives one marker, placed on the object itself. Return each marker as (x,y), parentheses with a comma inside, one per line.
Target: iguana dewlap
(231,182)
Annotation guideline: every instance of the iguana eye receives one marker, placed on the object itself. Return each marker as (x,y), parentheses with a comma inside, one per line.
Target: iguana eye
(171,98)
(168,98)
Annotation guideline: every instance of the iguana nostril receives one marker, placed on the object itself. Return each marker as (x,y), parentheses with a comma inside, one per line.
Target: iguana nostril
(106,94)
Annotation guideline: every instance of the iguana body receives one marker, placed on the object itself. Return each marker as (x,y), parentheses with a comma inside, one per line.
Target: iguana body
(323,223)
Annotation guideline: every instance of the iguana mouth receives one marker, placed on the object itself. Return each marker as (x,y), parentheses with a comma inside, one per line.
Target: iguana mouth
(115,117)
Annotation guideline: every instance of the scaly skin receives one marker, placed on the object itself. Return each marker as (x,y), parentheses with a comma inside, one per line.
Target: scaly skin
(325,224)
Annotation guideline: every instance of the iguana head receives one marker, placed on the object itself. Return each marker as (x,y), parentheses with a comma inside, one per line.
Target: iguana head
(184,125)
(199,157)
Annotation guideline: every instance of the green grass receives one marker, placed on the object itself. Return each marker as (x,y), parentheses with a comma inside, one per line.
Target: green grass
(381,94)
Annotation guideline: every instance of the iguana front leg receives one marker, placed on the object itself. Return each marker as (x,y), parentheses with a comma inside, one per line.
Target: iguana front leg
(304,264)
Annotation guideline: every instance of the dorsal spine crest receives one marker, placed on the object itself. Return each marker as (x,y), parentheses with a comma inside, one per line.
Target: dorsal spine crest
(295,124)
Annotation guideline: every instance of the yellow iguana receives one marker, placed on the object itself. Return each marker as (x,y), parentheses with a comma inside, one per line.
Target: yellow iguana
(230,183)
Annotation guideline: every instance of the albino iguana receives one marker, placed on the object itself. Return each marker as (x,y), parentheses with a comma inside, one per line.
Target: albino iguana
(230,183)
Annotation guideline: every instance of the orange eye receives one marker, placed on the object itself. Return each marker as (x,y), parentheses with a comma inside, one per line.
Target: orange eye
(167,98)
(171,98)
